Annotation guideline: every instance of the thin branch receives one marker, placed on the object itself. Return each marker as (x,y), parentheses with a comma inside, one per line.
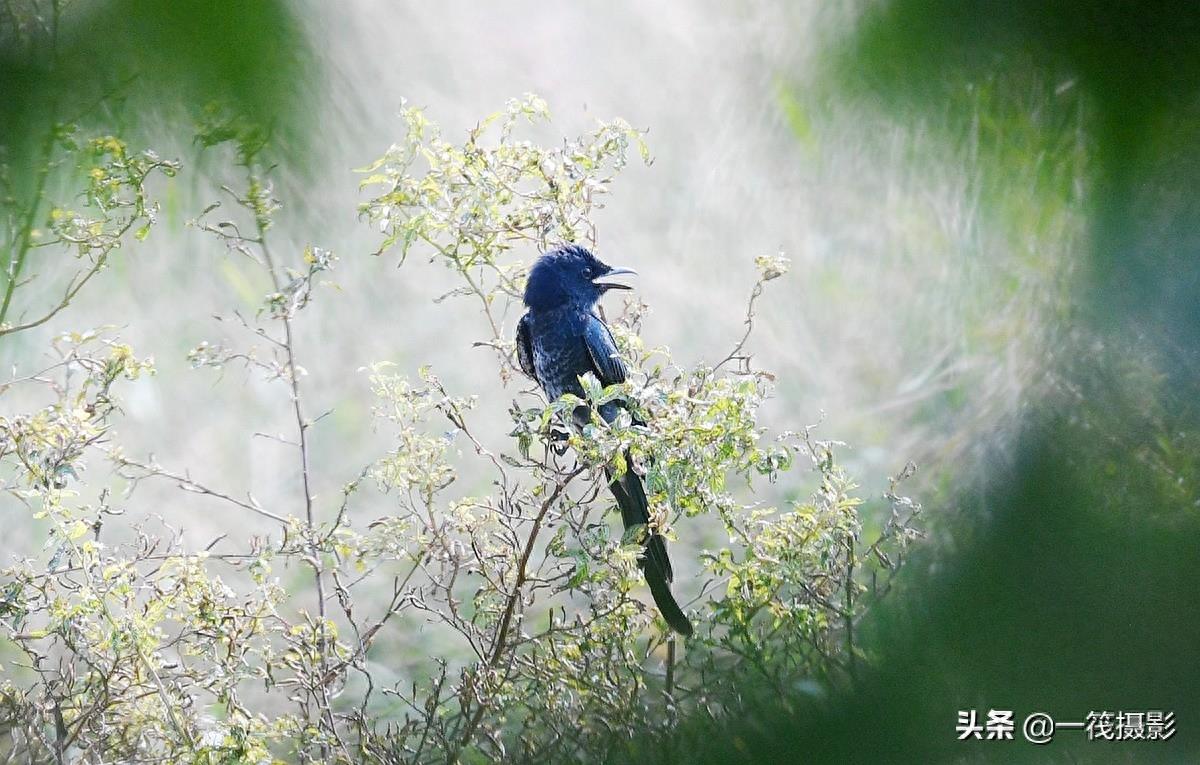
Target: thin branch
(749,322)
(188,484)
(499,642)
(17,261)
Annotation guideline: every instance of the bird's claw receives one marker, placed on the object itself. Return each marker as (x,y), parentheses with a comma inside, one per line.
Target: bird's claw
(558,441)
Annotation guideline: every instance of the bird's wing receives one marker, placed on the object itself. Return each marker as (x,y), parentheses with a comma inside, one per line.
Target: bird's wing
(602,349)
(627,487)
(525,347)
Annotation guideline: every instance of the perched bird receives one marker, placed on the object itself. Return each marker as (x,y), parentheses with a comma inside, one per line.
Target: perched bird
(559,339)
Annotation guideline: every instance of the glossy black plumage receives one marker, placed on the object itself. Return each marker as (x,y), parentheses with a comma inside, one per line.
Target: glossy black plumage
(559,339)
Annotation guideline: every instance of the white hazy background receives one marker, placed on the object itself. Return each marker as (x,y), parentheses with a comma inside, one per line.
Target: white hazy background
(908,324)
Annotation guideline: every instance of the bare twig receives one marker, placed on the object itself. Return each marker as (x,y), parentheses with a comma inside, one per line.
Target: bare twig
(735,354)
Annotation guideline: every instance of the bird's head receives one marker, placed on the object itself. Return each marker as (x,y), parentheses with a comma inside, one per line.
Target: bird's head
(570,275)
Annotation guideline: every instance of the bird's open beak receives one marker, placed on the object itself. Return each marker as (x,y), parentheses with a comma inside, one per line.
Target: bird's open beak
(602,282)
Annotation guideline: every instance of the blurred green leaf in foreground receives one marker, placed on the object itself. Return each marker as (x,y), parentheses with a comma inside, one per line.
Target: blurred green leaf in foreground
(126,60)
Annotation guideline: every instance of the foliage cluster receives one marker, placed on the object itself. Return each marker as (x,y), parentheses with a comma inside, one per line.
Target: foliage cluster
(125,644)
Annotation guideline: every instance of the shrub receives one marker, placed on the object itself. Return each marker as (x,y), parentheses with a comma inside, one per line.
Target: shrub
(148,650)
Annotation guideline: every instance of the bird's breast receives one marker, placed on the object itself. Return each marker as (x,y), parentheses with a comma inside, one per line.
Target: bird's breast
(559,355)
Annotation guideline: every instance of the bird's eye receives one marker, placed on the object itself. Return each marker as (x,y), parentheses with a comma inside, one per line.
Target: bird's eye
(587,272)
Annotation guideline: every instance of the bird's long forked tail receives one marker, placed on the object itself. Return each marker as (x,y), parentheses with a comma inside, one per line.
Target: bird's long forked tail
(656,566)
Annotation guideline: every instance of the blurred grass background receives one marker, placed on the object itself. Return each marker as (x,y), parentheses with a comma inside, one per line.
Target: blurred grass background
(992,232)
(912,325)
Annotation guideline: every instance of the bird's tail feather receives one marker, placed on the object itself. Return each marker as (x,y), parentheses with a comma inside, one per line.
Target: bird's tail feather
(656,566)
(667,605)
